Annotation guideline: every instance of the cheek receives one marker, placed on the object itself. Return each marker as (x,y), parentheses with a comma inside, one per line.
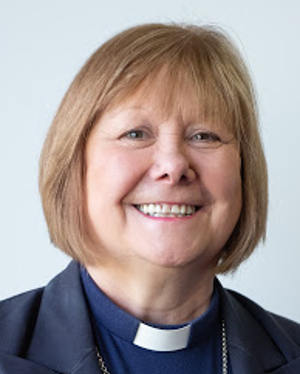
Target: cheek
(112,173)
(222,176)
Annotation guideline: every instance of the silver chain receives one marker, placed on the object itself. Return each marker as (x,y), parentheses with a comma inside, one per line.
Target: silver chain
(224,349)
(104,369)
(101,362)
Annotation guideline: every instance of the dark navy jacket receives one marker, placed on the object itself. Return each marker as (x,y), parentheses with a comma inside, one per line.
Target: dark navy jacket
(48,331)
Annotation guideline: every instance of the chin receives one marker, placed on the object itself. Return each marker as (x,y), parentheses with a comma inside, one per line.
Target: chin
(174,258)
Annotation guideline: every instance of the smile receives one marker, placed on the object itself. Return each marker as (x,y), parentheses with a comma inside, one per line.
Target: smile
(168,210)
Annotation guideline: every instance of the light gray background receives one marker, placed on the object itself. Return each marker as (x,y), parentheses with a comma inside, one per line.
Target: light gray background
(42,46)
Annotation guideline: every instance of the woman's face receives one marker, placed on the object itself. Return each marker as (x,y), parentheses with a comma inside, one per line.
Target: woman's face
(165,190)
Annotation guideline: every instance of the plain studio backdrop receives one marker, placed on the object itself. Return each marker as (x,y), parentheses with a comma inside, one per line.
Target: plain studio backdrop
(43,43)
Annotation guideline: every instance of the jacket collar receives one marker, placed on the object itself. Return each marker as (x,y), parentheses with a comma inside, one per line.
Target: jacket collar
(63,337)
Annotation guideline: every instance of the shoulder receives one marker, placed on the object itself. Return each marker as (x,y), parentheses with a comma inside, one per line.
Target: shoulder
(18,315)
(258,339)
(262,329)
(265,317)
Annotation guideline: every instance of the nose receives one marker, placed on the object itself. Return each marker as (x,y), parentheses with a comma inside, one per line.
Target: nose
(172,167)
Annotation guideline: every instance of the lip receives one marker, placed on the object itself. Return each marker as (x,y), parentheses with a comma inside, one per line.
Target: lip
(167,218)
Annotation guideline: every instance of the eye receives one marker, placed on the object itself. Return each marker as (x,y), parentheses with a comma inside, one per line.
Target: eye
(138,137)
(136,134)
(206,137)
(205,140)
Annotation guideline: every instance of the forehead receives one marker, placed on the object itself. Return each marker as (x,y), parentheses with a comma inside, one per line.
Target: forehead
(153,104)
(162,98)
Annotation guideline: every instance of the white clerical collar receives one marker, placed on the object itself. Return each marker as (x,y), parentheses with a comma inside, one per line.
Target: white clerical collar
(163,340)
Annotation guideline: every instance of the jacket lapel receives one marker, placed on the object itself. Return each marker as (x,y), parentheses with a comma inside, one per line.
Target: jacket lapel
(16,365)
(63,337)
(255,346)
(290,368)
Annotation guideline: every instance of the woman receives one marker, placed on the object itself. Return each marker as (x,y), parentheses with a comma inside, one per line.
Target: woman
(153,179)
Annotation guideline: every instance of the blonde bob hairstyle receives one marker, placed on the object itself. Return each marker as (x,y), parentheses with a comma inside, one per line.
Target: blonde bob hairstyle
(203,59)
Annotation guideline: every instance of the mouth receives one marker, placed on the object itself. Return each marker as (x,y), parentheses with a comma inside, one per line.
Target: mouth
(168,210)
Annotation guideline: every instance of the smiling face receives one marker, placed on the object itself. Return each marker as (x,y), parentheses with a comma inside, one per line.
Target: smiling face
(161,189)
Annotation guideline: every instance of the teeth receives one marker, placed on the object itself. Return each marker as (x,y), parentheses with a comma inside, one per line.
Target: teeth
(165,210)
(175,209)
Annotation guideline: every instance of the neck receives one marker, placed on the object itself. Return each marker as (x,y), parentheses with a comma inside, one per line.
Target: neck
(155,294)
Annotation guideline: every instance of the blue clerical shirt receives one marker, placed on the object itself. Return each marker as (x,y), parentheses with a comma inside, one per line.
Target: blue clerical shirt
(129,346)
